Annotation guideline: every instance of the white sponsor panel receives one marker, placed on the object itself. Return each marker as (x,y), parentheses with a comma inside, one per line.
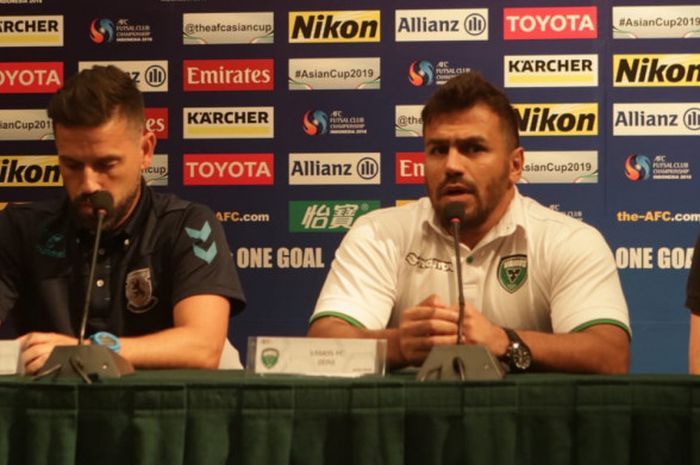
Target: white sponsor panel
(29,124)
(560,167)
(649,258)
(228,122)
(656,119)
(228,28)
(31,31)
(334,73)
(157,173)
(408,121)
(550,70)
(334,168)
(453,24)
(149,75)
(656,22)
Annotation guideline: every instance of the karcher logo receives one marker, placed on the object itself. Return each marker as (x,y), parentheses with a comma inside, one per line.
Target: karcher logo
(673,70)
(228,122)
(550,70)
(31,31)
(29,171)
(557,119)
(334,26)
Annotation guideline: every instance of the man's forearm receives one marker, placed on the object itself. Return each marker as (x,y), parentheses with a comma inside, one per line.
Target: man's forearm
(178,347)
(599,349)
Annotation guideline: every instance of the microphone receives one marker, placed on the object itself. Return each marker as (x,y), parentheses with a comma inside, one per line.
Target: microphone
(102,206)
(453,214)
(83,360)
(102,203)
(460,361)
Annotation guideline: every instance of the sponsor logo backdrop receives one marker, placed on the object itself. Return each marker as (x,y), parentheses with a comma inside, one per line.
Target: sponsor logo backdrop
(292,119)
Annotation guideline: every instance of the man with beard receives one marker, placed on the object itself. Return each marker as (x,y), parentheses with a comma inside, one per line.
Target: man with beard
(165,283)
(542,289)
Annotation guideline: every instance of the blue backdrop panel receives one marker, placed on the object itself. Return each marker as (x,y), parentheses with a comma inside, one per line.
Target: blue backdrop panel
(284,230)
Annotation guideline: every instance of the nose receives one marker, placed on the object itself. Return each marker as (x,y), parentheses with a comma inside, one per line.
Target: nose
(90,181)
(454,162)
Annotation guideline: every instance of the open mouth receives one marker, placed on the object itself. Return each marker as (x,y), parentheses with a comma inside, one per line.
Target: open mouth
(456,189)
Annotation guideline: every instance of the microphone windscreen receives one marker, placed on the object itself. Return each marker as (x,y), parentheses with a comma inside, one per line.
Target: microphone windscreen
(453,211)
(102,200)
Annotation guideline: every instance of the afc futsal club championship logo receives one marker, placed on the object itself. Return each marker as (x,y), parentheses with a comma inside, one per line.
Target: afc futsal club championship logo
(421,73)
(315,122)
(637,167)
(102,30)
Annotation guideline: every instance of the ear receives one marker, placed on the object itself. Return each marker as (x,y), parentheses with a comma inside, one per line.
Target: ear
(148,147)
(517,160)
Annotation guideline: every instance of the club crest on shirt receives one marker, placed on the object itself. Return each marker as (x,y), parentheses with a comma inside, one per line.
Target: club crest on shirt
(139,291)
(512,272)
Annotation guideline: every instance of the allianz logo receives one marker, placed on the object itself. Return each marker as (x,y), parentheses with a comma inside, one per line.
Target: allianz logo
(641,118)
(366,168)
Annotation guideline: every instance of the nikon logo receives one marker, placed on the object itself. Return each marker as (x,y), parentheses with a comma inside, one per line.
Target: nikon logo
(334,26)
(29,171)
(557,119)
(656,70)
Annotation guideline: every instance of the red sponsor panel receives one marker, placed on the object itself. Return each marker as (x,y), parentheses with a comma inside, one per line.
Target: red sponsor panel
(576,22)
(410,167)
(203,75)
(228,169)
(157,121)
(31,77)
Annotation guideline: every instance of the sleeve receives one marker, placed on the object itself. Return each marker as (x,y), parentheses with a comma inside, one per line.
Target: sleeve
(201,261)
(361,284)
(9,265)
(586,288)
(692,300)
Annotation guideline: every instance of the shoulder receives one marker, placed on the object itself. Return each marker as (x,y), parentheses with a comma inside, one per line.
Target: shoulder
(405,216)
(550,230)
(169,207)
(542,221)
(30,215)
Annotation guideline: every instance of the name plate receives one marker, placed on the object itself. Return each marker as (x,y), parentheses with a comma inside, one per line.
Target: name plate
(316,356)
(10,362)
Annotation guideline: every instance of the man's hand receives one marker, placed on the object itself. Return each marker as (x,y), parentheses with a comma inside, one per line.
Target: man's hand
(428,324)
(36,348)
(480,330)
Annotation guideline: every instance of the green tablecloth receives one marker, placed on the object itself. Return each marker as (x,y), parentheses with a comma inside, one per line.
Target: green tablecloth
(210,417)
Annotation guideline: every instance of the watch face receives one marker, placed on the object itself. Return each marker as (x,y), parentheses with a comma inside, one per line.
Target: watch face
(521,358)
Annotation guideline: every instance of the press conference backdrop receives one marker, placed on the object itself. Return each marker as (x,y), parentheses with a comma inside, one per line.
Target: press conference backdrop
(291,119)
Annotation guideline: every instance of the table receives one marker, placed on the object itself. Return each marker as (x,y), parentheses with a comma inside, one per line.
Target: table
(227,417)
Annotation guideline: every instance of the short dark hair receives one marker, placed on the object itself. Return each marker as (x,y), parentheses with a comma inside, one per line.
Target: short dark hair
(467,90)
(93,96)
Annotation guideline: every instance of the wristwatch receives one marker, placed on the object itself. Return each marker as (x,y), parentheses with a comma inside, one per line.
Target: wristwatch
(518,355)
(108,340)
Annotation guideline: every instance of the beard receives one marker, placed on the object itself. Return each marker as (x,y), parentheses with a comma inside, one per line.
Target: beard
(484,202)
(89,220)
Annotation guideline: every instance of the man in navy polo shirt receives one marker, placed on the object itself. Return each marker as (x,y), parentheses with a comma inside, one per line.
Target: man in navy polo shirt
(165,283)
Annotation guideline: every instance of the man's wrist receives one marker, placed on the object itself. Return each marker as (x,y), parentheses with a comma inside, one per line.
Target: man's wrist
(502,342)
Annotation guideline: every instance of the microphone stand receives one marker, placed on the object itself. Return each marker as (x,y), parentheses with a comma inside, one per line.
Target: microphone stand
(460,361)
(87,361)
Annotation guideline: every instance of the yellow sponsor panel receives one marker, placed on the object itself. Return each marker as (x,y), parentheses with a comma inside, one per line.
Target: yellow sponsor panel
(239,131)
(583,79)
(659,70)
(400,202)
(31,39)
(334,26)
(29,171)
(557,119)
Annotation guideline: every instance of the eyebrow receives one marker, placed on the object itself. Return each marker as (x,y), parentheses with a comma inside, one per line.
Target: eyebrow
(99,159)
(458,141)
